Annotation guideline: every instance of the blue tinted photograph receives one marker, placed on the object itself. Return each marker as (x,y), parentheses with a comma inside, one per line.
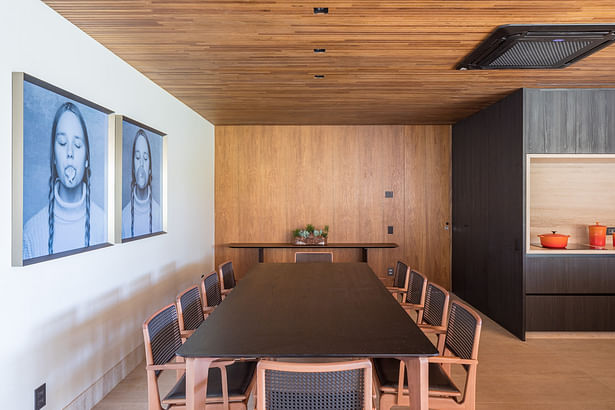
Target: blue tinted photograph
(64,168)
(141,180)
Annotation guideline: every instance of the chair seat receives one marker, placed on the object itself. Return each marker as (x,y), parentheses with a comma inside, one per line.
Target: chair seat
(387,371)
(239,375)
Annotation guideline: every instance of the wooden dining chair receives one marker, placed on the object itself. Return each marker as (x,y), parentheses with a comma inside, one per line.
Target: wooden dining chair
(227,277)
(189,311)
(415,297)
(314,386)
(400,281)
(211,291)
(161,339)
(433,318)
(459,347)
(313,257)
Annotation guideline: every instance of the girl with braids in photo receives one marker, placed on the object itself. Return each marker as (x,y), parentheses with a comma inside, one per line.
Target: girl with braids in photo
(70,220)
(141,216)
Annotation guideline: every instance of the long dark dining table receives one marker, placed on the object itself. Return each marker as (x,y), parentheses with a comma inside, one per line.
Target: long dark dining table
(308,310)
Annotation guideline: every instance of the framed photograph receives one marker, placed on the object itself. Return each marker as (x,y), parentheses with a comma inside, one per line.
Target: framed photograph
(141,175)
(60,172)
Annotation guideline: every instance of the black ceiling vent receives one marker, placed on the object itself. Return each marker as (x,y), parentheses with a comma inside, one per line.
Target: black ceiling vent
(538,46)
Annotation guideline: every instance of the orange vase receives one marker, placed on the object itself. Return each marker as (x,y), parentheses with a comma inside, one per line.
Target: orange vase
(597,235)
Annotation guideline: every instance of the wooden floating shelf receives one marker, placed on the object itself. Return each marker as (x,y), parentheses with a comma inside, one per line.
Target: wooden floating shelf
(572,249)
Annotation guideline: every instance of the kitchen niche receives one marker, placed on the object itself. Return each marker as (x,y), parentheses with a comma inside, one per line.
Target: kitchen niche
(566,193)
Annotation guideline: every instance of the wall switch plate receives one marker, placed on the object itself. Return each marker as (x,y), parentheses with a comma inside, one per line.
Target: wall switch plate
(390,230)
(388,194)
(40,396)
(610,230)
(390,271)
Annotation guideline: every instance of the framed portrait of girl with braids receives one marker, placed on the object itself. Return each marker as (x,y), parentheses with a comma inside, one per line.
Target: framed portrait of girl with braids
(63,156)
(143,180)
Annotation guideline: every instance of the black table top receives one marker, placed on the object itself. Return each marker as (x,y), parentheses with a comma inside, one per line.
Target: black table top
(329,245)
(311,309)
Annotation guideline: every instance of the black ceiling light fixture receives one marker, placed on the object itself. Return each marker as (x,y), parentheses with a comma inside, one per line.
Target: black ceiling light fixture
(538,46)
(321,10)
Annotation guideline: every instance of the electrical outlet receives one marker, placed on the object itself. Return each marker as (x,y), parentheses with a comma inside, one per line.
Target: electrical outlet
(390,230)
(40,396)
(390,271)
(610,230)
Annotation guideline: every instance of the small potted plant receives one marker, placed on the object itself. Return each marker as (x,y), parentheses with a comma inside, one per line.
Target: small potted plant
(310,235)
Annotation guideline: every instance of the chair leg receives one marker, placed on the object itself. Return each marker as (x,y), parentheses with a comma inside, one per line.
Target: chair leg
(153,394)
(400,382)
(386,401)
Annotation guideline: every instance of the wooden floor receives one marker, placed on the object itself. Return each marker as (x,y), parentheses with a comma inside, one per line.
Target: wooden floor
(541,373)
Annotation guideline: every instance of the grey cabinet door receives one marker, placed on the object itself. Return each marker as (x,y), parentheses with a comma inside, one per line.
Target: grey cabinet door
(578,121)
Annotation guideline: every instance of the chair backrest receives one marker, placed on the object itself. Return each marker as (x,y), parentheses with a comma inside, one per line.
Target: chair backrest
(189,309)
(161,336)
(313,386)
(463,332)
(210,288)
(313,257)
(227,275)
(416,288)
(400,279)
(435,311)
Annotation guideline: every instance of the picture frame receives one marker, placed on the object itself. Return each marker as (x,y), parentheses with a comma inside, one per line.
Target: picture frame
(140,180)
(61,161)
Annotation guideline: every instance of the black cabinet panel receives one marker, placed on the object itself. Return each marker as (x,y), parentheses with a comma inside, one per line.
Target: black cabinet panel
(488,212)
(570,313)
(570,274)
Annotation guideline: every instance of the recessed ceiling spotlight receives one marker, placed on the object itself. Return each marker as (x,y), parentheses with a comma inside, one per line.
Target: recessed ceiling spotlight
(319,76)
(320,50)
(321,10)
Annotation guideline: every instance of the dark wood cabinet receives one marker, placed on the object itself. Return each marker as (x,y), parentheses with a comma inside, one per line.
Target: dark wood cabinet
(490,268)
(570,312)
(488,212)
(579,121)
(573,274)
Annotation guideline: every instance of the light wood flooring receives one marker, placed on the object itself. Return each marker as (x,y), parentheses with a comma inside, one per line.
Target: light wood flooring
(542,373)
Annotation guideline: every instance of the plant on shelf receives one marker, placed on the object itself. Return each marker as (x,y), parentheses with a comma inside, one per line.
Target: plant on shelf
(310,236)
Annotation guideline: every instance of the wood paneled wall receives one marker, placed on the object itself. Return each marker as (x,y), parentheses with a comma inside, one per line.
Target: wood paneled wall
(272,179)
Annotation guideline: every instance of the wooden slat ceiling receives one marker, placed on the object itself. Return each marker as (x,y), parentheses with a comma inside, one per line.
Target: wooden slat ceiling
(252,62)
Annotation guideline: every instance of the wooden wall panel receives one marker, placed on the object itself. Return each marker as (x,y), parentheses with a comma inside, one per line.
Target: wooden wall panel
(273,179)
(568,194)
(428,197)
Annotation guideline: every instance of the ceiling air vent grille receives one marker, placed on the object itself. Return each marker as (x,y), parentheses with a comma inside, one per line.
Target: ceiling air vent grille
(552,46)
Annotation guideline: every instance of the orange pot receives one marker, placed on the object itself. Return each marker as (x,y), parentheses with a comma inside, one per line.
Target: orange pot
(597,235)
(554,240)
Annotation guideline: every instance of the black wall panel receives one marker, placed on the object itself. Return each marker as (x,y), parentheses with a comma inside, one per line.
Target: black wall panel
(488,203)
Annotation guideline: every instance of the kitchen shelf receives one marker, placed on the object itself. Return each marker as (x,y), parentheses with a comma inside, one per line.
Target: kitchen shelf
(571,249)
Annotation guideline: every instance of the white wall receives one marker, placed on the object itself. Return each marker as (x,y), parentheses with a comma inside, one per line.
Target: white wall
(68,321)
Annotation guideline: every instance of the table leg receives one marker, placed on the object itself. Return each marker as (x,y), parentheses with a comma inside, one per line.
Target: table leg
(261,255)
(197,370)
(418,382)
(364,255)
